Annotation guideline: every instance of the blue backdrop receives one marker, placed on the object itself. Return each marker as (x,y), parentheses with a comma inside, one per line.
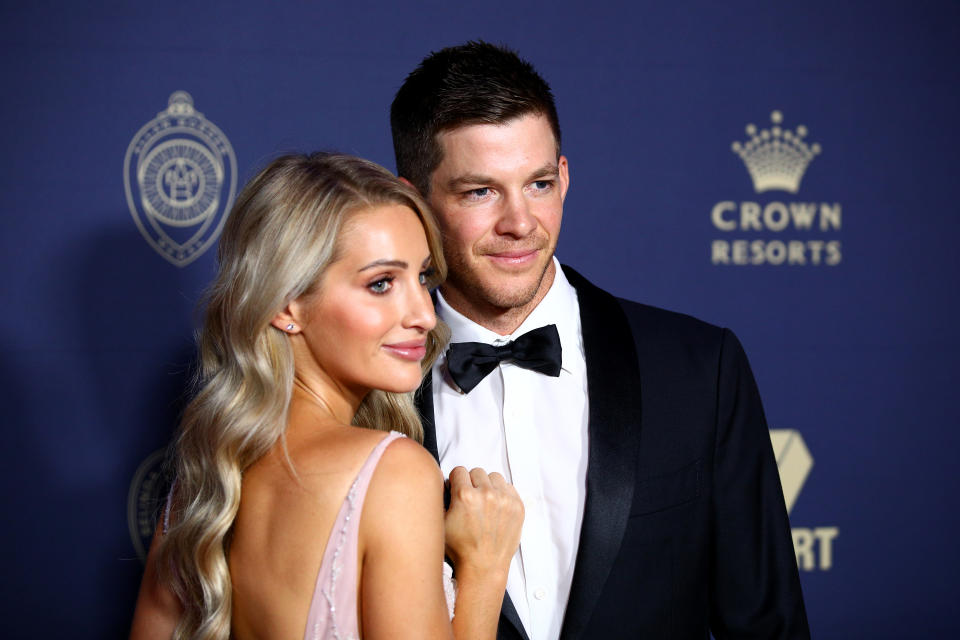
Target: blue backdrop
(843,291)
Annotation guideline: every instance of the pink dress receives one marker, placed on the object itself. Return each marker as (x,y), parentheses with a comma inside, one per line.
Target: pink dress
(333,610)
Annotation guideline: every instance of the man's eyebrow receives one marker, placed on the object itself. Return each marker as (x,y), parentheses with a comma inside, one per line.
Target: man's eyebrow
(546,171)
(471,178)
(385,263)
(549,170)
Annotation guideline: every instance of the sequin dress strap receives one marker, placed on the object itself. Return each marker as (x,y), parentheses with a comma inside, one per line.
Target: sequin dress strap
(333,610)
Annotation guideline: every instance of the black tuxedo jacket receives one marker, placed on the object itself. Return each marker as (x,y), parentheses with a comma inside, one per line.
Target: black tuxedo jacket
(685,527)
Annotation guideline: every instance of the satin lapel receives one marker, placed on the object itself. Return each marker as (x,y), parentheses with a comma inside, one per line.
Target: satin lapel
(509,614)
(424,401)
(423,398)
(613,383)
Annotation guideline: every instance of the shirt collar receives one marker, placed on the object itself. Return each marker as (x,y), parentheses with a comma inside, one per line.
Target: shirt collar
(559,307)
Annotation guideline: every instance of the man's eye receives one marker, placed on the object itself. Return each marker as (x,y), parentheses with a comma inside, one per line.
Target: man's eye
(380,286)
(476,194)
(542,185)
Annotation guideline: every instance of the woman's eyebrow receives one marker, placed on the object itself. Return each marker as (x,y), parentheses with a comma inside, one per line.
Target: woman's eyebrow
(383,262)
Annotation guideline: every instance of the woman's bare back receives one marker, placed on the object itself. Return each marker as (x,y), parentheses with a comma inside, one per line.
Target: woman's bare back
(284,523)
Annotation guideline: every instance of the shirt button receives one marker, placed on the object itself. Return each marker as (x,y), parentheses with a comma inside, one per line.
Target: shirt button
(540,593)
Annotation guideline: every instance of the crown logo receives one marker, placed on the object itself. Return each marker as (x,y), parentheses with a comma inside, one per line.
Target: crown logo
(776,157)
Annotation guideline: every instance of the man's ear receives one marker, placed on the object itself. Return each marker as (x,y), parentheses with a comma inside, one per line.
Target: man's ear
(408,183)
(286,320)
(564,169)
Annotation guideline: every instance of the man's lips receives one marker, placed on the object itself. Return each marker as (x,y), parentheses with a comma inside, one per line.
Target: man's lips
(413,350)
(519,257)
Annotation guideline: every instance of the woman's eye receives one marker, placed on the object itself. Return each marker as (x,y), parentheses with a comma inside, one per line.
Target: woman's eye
(426,276)
(380,286)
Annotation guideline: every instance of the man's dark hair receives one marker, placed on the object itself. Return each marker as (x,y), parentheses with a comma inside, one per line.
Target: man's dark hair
(474,83)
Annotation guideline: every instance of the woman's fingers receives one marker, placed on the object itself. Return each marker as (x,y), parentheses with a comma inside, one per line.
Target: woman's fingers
(459,477)
(462,480)
(499,482)
(480,478)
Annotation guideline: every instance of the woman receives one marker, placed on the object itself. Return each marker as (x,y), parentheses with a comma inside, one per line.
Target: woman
(319,322)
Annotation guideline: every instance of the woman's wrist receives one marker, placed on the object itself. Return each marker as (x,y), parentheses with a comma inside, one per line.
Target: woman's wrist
(469,572)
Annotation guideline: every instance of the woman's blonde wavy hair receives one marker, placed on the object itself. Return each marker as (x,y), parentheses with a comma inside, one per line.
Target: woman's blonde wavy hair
(277,242)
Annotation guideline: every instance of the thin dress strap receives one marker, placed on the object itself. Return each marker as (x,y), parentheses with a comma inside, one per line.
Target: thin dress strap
(333,610)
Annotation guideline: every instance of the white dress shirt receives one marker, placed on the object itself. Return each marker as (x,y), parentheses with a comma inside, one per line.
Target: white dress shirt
(532,428)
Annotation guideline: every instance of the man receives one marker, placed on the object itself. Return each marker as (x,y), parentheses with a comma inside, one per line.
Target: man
(635,436)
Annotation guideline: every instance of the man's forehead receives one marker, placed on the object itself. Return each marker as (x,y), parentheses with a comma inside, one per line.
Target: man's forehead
(526,141)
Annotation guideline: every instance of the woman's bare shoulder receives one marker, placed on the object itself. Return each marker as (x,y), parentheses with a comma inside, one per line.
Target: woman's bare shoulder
(406,487)
(408,459)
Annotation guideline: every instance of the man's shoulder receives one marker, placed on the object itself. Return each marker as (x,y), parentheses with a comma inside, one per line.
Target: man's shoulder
(661,323)
(647,322)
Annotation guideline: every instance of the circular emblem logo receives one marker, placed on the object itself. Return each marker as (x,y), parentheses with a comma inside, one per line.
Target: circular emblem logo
(180,177)
(148,491)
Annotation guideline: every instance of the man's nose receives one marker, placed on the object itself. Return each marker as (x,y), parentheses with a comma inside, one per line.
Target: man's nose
(516,218)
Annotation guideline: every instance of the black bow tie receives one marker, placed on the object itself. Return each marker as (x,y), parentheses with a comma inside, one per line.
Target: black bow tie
(537,350)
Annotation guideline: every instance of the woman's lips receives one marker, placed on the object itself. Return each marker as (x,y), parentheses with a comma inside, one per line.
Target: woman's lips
(413,350)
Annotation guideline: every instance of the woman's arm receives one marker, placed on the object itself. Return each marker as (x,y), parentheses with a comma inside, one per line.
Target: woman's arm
(402,549)
(482,534)
(158,609)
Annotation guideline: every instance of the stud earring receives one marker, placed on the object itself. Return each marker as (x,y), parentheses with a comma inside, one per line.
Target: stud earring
(291,327)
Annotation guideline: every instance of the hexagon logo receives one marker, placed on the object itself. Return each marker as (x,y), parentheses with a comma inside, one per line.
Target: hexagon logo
(793,462)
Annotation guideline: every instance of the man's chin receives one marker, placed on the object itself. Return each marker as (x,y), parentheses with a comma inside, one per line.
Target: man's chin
(499,290)
(515,295)
(510,289)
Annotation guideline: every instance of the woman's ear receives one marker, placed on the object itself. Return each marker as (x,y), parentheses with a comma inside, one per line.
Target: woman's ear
(286,321)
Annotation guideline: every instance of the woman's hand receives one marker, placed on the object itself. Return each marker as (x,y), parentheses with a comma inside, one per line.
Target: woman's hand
(482,523)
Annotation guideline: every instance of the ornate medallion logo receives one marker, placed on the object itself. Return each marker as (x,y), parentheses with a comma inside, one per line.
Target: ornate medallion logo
(148,490)
(180,177)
